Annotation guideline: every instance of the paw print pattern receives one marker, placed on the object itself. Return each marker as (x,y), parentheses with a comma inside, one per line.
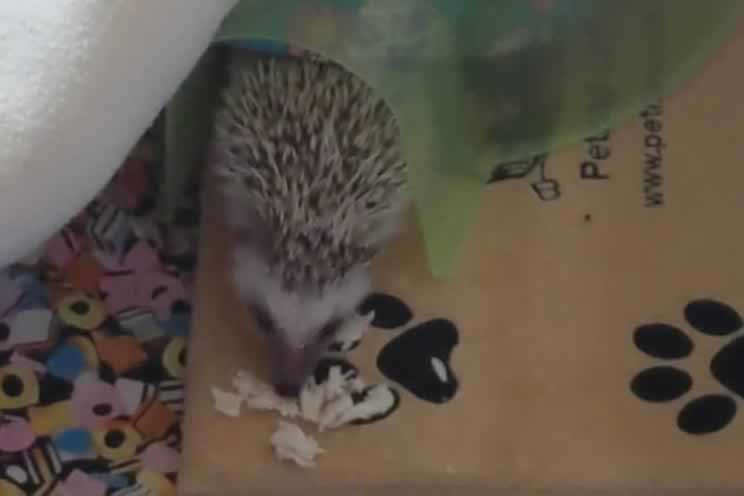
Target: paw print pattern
(666,382)
(377,401)
(418,357)
(390,312)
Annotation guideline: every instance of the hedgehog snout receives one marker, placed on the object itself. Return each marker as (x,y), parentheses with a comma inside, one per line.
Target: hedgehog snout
(292,367)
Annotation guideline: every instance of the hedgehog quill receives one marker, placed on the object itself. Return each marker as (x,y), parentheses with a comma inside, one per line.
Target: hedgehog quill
(314,185)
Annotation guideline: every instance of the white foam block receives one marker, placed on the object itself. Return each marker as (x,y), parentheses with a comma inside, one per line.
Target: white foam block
(80,81)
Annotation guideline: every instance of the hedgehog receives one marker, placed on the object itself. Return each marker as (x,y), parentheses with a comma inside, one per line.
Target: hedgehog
(314,185)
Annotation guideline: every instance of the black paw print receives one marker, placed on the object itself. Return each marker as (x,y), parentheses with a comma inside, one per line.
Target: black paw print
(707,413)
(418,357)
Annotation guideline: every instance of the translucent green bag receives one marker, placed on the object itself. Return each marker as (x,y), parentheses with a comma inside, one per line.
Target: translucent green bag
(478,82)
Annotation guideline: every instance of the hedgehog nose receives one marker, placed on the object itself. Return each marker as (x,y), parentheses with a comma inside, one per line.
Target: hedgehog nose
(288,390)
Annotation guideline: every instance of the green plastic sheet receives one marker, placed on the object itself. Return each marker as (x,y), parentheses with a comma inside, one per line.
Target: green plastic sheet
(477,82)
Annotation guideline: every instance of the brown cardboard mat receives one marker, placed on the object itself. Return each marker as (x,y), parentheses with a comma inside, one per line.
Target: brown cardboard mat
(598,342)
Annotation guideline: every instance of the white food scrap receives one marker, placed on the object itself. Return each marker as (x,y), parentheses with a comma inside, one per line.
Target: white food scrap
(270,401)
(337,382)
(326,404)
(341,399)
(226,403)
(334,412)
(292,444)
(354,329)
(379,400)
(312,398)
(356,385)
(248,384)
(260,396)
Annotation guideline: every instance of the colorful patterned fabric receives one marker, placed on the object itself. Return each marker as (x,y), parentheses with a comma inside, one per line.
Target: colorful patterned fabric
(93,345)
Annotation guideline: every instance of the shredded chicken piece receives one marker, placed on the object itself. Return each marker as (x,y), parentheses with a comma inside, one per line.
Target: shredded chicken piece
(334,411)
(226,403)
(354,330)
(292,444)
(260,396)
(311,402)
(333,403)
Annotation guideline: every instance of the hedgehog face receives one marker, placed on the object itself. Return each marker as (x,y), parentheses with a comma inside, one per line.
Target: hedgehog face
(298,325)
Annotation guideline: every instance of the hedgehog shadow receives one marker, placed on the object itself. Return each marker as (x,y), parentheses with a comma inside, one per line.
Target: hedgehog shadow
(417,357)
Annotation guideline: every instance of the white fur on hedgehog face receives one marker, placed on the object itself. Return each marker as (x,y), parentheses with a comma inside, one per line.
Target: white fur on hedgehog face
(298,317)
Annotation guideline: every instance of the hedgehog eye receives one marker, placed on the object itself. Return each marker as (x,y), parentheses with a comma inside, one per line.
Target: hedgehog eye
(263,320)
(329,330)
